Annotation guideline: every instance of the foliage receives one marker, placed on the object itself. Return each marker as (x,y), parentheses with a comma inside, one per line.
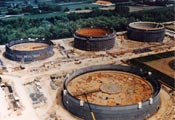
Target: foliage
(157,15)
(122,10)
(66,9)
(64,25)
(49,7)
(82,5)
(13,11)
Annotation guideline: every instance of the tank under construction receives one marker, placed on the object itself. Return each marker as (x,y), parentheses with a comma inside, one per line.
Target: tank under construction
(146,31)
(111,92)
(94,39)
(28,50)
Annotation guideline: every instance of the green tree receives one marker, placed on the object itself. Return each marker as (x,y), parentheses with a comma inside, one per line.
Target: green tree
(13,11)
(66,9)
(122,10)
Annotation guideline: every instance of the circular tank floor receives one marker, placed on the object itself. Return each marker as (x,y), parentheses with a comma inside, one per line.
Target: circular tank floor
(29,46)
(110,88)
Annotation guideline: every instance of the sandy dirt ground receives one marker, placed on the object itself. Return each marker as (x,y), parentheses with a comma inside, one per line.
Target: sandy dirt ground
(163,63)
(65,61)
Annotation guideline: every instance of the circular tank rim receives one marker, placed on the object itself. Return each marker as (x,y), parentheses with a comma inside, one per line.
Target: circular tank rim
(132,25)
(112,33)
(156,88)
(16,42)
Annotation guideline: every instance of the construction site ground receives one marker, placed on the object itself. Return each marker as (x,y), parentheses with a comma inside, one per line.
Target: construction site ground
(65,60)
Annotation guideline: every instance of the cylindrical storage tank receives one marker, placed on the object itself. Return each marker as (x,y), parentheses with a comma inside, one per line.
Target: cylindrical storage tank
(111,92)
(94,39)
(28,50)
(146,31)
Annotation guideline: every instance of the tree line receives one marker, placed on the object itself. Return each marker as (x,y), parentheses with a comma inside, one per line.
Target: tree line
(64,26)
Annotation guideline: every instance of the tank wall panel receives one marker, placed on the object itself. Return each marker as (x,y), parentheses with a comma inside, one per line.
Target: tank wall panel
(28,56)
(146,35)
(94,43)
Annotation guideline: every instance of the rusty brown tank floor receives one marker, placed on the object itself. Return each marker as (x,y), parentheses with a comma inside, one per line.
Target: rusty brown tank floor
(93,32)
(110,88)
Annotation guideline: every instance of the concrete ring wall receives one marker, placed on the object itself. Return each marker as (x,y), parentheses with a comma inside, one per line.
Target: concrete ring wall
(128,112)
(154,32)
(28,56)
(94,43)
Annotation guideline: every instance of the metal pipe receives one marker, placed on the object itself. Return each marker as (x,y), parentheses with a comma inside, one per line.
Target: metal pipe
(92,114)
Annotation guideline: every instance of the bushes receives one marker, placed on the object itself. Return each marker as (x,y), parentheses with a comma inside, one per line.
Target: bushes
(49,7)
(122,10)
(65,25)
(86,8)
(30,9)
(157,15)
(66,9)
(13,11)
(31,28)
(78,9)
